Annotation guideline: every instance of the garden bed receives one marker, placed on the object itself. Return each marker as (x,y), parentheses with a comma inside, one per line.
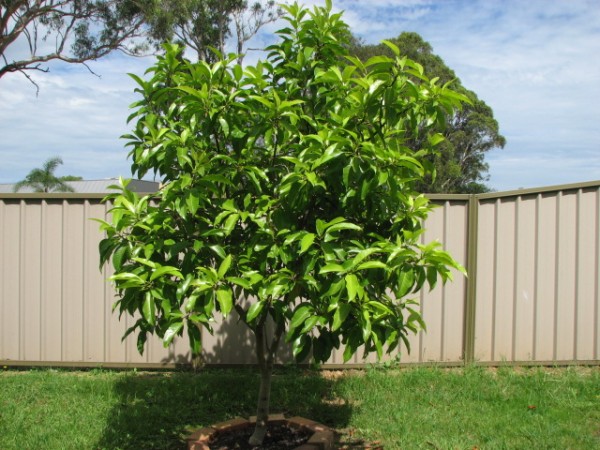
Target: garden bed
(296,433)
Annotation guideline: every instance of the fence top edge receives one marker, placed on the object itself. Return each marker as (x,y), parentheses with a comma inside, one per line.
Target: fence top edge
(539,190)
(56,196)
(448,197)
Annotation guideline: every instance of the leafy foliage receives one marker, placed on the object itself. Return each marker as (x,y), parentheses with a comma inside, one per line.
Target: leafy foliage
(288,184)
(284,181)
(470,133)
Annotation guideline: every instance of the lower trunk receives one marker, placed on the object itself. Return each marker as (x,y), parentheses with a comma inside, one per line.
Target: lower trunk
(265,355)
(262,412)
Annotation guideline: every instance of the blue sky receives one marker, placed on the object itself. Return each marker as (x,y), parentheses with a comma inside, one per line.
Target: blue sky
(534,62)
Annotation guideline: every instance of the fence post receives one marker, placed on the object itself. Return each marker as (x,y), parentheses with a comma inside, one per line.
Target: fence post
(471,294)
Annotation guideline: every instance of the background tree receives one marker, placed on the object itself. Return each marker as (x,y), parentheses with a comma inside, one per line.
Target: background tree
(470,133)
(202,24)
(44,180)
(78,31)
(73,31)
(288,197)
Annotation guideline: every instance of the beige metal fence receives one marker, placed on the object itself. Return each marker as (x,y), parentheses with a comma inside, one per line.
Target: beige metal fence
(532,294)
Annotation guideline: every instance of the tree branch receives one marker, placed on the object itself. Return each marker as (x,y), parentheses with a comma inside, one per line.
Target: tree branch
(62,19)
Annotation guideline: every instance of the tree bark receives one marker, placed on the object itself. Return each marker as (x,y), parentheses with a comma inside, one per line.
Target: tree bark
(265,354)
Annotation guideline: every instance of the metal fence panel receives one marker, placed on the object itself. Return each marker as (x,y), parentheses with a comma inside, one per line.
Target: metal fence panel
(537,286)
(535,262)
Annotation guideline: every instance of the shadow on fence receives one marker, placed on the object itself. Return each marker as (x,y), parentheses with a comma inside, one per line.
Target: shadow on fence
(233,344)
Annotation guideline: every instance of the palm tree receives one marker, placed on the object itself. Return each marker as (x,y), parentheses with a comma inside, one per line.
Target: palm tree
(44,180)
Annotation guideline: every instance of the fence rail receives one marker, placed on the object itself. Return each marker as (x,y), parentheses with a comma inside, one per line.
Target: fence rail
(532,295)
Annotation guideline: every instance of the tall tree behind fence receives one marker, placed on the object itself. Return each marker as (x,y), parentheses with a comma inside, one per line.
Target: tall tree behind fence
(532,294)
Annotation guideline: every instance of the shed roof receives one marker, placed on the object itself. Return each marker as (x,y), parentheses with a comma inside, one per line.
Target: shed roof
(96,186)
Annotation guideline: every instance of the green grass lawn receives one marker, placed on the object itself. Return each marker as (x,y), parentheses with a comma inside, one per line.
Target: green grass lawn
(426,408)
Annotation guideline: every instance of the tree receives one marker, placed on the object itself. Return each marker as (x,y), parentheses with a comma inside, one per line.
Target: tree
(73,31)
(44,180)
(78,31)
(288,198)
(471,131)
(201,25)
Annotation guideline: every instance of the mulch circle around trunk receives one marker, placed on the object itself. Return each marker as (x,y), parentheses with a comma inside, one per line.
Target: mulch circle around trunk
(295,433)
(279,437)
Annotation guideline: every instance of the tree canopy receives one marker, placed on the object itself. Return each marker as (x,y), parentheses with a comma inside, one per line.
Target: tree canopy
(288,197)
(470,133)
(44,180)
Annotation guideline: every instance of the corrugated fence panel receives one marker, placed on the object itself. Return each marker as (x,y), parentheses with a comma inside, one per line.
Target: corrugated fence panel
(588,275)
(536,286)
(55,304)
(545,274)
(10,257)
(537,277)
(443,309)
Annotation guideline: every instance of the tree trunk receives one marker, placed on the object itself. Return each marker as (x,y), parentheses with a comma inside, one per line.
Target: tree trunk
(265,354)
(262,411)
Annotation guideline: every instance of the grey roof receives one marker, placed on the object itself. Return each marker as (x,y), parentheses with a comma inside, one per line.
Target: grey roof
(96,186)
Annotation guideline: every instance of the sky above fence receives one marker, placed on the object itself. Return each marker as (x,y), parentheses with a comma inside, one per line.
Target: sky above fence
(535,63)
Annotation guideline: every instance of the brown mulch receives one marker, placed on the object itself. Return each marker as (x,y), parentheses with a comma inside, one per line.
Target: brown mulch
(279,437)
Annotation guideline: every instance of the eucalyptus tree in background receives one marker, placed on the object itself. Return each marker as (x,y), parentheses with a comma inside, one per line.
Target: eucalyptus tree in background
(470,133)
(288,198)
(44,179)
(200,25)
(34,32)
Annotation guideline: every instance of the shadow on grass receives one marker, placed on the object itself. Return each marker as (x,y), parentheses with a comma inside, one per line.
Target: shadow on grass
(158,410)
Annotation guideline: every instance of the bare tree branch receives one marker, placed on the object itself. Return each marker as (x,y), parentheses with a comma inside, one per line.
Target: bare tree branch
(83,30)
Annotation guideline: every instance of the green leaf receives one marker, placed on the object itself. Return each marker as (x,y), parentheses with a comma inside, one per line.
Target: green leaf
(173,330)
(195,337)
(306,242)
(392,47)
(119,256)
(218,250)
(262,100)
(149,309)
(372,265)
(165,270)
(431,277)
(183,286)
(352,286)
(242,282)
(332,267)
(350,350)
(300,315)
(340,315)
(224,126)
(366,325)
(230,223)
(309,324)
(192,202)
(141,341)
(224,267)
(254,311)
(225,299)
(301,347)
(406,281)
